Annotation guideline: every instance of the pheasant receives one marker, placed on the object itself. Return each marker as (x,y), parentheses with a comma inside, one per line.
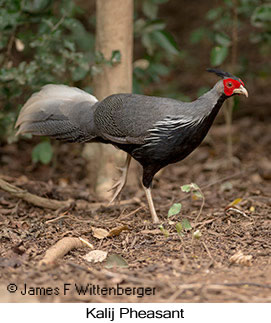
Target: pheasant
(154,131)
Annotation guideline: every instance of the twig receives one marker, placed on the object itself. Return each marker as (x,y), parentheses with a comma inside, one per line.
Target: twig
(33,199)
(58,218)
(201,207)
(208,251)
(86,243)
(61,248)
(234,209)
(58,23)
(124,216)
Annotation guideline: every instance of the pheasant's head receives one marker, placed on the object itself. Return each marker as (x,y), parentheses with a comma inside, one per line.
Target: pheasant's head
(232,84)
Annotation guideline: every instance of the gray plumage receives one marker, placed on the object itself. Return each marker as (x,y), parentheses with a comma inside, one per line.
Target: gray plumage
(59,111)
(129,118)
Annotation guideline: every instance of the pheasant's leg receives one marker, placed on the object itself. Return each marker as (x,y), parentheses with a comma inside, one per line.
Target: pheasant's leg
(122,181)
(154,216)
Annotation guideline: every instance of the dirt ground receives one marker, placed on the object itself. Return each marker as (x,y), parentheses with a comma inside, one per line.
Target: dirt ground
(170,268)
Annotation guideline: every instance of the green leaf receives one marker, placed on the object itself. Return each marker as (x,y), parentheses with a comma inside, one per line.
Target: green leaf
(150,9)
(261,16)
(115,57)
(148,43)
(214,13)
(186,188)
(164,231)
(186,224)
(175,209)
(159,69)
(197,35)
(154,26)
(78,73)
(218,55)
(166,41)
(115,260)
(222,39)
(179,229)
(197,194)
(35,6)
(69,45)
(99,58)
(42,152)
(194,186)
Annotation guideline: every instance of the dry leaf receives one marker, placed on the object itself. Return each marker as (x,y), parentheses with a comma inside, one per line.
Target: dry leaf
(155,231)
(115,260)
(99,233)
(235,202)
(240,259)
(117,230)
(95,256)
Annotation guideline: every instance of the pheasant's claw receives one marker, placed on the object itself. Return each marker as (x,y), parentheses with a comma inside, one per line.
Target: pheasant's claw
(119,186)
(122,181)
(121,169)
(115,185)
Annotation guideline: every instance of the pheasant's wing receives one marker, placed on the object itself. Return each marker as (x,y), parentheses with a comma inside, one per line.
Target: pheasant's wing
(128,118)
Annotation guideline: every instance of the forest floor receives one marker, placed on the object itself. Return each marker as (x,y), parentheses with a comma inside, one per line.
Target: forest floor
(170,267)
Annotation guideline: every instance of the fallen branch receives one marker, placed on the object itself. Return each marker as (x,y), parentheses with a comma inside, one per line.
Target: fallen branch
(61,248)
(54,204)
(32,198)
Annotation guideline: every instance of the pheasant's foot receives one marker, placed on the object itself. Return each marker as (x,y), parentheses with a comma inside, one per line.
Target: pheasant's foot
(122,181)
(154,216)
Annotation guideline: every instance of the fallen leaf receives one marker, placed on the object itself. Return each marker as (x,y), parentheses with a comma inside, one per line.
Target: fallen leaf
(240,259)
(175,209)
(96,256)
(117,230)
(155,231)
(115,260)
(236,201)
(99,233)
(186,224)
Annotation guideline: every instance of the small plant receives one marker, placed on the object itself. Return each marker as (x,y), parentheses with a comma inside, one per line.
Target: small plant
(184,225)
(196,193)
(163,230)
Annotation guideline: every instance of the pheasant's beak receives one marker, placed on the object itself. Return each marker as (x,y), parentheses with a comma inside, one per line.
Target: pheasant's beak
(241,90)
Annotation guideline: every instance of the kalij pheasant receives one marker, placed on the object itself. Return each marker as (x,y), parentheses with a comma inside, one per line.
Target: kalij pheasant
(155,131)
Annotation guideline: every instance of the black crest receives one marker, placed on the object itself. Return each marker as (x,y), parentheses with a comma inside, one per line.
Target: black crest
(221,73)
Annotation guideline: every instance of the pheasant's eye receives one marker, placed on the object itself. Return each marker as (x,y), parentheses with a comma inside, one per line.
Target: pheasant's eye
(229,84)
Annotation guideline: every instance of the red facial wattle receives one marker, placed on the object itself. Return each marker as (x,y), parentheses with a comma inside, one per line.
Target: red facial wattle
(230,85)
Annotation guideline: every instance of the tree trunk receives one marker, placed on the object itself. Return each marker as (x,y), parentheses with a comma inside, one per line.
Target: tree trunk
(114,31)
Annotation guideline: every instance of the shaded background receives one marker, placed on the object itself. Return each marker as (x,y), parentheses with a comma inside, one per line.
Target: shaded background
(45,41)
